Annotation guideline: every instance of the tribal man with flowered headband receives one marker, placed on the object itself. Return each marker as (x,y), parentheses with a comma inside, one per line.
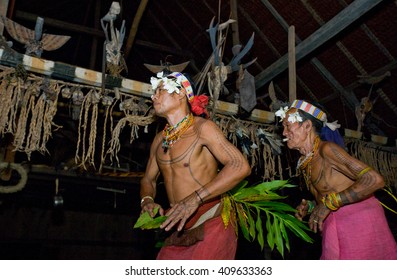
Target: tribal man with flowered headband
(344,209)
(174,82)
(188,154)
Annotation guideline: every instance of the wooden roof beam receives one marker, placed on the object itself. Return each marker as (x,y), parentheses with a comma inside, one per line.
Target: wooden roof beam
(134,27)
(347,16)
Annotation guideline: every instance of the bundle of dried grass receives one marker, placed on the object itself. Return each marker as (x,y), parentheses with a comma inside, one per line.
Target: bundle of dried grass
(87,130)
(258,150)
(134,122)
(28,108)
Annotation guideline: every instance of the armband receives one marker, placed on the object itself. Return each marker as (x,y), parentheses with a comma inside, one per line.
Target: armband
(332,201)
(147,197)
(362,172)
(199,197)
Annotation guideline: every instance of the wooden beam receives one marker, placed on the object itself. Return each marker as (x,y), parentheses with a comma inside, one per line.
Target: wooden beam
(90,77)
(346,94)
(234,15)
(164,49)
(346,17)
(3,12)
(134,27)
(97,33)
(73,73)
(94,44)
(291,63)
(62,25)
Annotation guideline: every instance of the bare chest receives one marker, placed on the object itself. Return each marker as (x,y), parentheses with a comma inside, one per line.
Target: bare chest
(179,154)
(318,175)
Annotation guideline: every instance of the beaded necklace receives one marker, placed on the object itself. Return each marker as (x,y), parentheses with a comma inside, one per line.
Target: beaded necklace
(171,134)
(304,162)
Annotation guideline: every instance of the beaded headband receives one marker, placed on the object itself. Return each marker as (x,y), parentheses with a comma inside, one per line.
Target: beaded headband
(311,109)
(308,108)
(185,83)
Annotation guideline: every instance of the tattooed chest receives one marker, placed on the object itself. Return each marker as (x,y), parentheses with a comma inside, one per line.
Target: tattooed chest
(320,178)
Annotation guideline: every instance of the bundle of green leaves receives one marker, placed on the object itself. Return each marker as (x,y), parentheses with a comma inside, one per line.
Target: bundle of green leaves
(249,206)
(146,221)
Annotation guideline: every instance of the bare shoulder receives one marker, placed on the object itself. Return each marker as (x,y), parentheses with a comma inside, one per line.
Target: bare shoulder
(331,149)
(158,137)
(207,129)
(156,141)
(339,158)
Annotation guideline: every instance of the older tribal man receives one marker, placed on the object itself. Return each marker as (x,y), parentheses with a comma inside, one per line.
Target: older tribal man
(187,153)
(345,210)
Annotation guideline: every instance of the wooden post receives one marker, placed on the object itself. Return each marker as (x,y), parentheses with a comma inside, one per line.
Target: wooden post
(291,63)
(134,27)
(235,32)
(3,12)
(94,44)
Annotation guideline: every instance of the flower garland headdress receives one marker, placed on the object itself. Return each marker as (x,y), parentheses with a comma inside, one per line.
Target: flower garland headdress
(174,82)
(308,108)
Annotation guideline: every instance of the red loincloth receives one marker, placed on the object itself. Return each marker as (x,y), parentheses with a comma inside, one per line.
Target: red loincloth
(210,241)
(358,231)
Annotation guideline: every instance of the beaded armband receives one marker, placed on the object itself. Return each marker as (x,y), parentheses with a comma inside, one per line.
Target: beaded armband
(332,201)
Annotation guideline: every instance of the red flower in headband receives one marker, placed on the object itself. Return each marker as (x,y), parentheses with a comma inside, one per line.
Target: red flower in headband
(198,104)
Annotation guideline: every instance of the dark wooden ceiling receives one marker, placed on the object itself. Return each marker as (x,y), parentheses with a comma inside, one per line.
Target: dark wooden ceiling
(337,42)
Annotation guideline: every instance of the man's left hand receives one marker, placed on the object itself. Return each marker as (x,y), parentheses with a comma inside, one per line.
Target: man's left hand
(319,214)
(180,212)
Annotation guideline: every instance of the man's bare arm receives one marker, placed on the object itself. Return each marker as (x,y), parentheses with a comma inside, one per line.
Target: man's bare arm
(235,166)
(366,180)
(149,180)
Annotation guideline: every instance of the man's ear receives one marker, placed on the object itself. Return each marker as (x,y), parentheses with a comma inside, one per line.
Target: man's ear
(182,93)
(307,124)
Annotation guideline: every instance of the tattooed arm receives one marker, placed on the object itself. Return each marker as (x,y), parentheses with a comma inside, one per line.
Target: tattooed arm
(343,180)
(235,166)
(365,180)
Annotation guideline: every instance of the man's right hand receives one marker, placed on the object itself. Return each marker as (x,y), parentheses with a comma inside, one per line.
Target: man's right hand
(149,206)
(302,209)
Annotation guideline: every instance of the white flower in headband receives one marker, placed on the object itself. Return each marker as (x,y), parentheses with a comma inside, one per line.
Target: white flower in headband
(171,85)
(281,113)
(294,117)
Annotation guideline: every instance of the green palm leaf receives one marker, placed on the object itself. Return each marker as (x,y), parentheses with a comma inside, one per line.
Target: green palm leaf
(277,236)
(258,226)
(270,234)
(242,221)
(145,221)
(262,198)
(251,223)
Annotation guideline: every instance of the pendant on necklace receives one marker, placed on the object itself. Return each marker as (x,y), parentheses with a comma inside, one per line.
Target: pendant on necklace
(165,146)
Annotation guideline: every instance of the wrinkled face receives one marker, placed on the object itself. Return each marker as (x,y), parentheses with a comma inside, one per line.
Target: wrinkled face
(293,131)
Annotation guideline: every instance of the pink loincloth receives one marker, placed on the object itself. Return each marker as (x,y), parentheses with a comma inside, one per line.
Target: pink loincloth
(358,232)
(217,243)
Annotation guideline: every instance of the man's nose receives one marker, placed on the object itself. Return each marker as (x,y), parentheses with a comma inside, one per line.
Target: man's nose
(154,95)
